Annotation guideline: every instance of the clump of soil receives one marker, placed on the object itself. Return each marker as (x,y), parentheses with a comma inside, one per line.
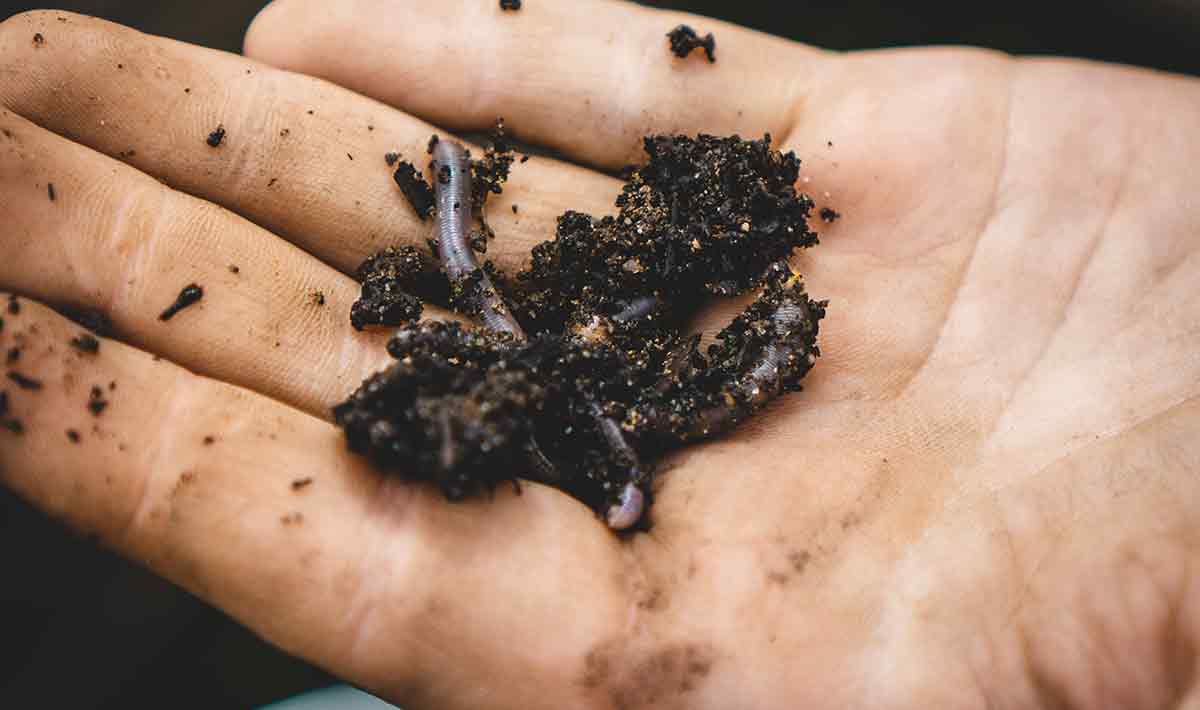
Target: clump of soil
(191,294)
(684,39)
(604,377)
(415,189)
(216,137)
(510,5)
(830,215)
(388,280)
(86,343)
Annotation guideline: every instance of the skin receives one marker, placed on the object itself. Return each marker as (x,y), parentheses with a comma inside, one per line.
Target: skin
(987,496)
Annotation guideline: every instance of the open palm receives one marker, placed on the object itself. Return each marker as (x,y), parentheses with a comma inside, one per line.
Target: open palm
(988,494)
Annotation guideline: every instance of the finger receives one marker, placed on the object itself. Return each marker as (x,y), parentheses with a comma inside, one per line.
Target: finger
(109,238)
(258,509)
(300,157)
(587,77)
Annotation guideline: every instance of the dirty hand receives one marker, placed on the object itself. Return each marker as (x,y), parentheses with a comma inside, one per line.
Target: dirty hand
(987,496)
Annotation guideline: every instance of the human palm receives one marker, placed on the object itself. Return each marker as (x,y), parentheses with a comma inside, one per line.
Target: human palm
(987,494)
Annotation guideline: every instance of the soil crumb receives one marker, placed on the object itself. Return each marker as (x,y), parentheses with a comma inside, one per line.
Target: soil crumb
(96,401)
(234,269)
(217,136)
(39,41)
(73,435)
(13,355)
(830,215)
(301,483)
(318,298)
(190,294)
(24,381)
(510,5)
(684,39)
(86,343)
(50,192)
(14,305)
(387,279)
(95,321)
(415,188)
(391,158)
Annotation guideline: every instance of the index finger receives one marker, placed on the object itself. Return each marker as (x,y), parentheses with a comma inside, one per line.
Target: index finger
(589,78)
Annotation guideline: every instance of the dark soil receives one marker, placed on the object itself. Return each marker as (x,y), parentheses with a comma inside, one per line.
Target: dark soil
(684,39)
(415,189)
(24,381)
(830,215)
(510,4)
(604,377)
(86,343)
(190,294)
(214,139)
(388,280)
(96,401)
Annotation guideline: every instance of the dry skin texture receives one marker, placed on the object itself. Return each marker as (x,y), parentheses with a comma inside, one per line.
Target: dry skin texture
(582,373)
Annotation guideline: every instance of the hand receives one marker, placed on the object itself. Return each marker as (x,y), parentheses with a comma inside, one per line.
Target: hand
(986,496)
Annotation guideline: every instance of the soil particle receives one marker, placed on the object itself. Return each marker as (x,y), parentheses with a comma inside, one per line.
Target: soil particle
(416,190)
(234,269)
(433,141)
(14,305)
(25,382)
(209,440)
(387,281)
(50,191)
(318,298)
(684,39)
(86,343)
(93,320)
(38,40)
(96,401)
(391,159)
(830,215)
(510,5)
(514,208)
(13,355)
(301,483)
(292,519)
(73,435)
(188,296)
(217,136)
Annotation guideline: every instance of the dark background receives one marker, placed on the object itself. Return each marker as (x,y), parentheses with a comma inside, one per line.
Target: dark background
(82,629)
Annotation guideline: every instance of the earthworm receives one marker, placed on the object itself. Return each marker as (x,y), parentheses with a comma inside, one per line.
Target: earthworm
(452,184)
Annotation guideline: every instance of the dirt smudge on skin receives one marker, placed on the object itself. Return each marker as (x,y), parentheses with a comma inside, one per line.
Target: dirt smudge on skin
(658,676)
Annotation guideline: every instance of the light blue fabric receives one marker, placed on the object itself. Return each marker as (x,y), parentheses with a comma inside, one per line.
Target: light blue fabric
(339,697)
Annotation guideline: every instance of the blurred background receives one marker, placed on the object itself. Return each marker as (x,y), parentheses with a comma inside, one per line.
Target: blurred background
(81,629)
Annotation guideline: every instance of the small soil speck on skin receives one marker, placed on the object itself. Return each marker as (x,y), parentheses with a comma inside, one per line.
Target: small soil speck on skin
(3,403)
(38,40)
(514,209)
(684,39)
(86,343)
(96,401)
(234,269)
(190,294)
(13,355)
(14,306)
(93,320)
(318,298)
(391,158)
(24,381)
(513,5)
(15,426)
(830,215)
(209,440)
(217,136)
(301,483)
(50,192)
(73,436)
